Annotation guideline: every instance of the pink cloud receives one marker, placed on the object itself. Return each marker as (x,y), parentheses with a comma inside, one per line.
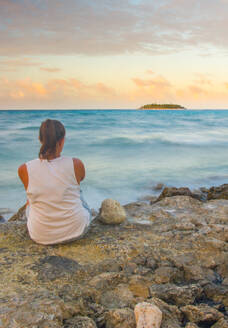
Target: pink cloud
(50,70)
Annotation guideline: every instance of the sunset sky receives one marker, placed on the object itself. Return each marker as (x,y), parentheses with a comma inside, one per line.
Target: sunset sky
(66,54)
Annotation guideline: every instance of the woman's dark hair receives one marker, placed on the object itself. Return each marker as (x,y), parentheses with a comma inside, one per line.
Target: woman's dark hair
(51,132)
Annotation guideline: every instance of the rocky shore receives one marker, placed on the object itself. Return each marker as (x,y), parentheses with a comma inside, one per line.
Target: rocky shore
(171,251)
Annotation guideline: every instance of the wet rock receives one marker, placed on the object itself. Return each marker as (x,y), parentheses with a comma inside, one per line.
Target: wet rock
(138,210)
(147,315)
(2,220)
(20,215)
(220,192)
(112,212)
(148,198)
(120,318)
(158,187)
(202,314)
(79,322)
(173,191)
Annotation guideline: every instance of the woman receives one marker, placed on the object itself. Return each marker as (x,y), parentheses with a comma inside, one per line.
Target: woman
(56,212)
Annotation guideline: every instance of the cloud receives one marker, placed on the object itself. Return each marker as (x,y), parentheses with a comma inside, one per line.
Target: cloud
(50,70)
(59,92)
(196,95)
(30,27)
(203,79)
(157,82)
(15,64)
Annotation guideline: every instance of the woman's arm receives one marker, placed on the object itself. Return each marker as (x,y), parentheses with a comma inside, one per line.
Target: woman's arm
(23,175)
(79,170)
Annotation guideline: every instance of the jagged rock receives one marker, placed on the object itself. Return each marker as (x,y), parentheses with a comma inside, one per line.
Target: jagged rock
(2,219)
(222,323)
(121,297)
(220,192)
(20,215)
(120,318)
(139,286)
(172,191)
(180,295)
(158,186)
(116,267)
(171,315)
(202,313)
(165,274)
(112,212)
(79,322)
(191,325)
(147,315)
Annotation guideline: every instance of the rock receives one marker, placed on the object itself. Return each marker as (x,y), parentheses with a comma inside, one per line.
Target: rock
(202,314)
(139,287)
(112,212)
(137,209)
(171,315)
(120,318)
(20,215)
(165,274)
(147,315)
(158,187)
(178,259)
(191,325)
(220,192)
(222,323)
(79,322)
(180,295)
(172,191)
(2,220)
(119,297)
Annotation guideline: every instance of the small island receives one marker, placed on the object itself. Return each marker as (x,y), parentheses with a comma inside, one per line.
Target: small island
(162,106)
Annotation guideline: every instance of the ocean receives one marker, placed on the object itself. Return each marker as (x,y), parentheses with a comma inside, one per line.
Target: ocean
(125,152)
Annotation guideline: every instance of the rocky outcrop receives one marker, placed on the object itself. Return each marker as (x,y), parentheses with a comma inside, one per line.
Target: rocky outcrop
(183,191)
(172,254)
(220,192)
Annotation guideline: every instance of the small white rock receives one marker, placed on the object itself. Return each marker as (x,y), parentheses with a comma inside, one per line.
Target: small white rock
(147,315)
(112,212)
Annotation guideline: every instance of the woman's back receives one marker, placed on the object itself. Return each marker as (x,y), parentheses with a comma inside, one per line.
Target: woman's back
(55,212)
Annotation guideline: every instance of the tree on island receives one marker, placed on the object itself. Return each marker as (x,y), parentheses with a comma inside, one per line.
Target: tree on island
(162,106)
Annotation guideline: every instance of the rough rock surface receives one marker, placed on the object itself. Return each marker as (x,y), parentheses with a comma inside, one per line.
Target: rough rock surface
(173,255)
(220,192)
(111,212)
(148,315)
(183,191)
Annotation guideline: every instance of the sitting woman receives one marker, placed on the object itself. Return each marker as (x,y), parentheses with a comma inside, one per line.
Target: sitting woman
(56,211)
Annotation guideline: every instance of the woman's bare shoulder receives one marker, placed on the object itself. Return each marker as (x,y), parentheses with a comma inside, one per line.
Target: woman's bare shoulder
(79,169)
(23,174)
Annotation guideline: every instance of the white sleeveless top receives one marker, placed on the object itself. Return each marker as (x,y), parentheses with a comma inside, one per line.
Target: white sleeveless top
(55,212)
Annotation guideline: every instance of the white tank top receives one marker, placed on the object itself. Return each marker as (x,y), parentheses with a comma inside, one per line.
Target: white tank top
(55,211)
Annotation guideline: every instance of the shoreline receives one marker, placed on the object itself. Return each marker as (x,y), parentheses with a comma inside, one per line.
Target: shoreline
(157,192)
(171,253)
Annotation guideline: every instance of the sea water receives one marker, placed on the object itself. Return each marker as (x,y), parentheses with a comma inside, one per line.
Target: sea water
(125,152)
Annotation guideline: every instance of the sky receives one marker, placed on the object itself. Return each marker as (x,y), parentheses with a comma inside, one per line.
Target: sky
(99,54)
